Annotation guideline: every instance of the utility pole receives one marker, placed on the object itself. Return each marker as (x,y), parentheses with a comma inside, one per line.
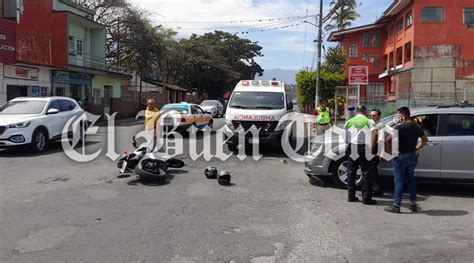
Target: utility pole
(320,45)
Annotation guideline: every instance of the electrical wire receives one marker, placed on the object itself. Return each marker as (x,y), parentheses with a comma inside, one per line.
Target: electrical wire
(273,23)
(236,21)
(269,29)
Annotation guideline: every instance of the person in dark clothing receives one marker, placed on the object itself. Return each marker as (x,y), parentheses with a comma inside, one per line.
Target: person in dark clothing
(405,163)
(355,127)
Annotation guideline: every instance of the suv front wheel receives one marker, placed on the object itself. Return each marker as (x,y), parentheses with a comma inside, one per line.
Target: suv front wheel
(339,173)
(39,141)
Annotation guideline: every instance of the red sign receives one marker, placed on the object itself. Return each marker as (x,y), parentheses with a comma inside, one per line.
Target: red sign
(21,72)
(7,41)
(254,118)
(358,75)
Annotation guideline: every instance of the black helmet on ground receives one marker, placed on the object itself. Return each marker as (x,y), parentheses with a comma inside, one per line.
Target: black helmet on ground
(224,178)
(210,172)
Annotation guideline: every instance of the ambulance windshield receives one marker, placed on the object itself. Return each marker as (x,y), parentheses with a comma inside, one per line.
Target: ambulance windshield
(258,100)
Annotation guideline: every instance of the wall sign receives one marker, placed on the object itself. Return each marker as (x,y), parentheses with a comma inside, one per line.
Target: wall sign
(15,72)
(358,75)
(7,42)
(35,91)
(72,78)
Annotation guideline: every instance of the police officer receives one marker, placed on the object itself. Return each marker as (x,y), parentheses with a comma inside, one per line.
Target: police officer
(323,118)
(356,128)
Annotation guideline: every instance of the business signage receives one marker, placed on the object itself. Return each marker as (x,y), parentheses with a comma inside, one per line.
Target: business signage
(7,41)
(72,78)
(358,75)
(16,72)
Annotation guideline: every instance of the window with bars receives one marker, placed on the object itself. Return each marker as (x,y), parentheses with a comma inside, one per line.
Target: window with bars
(469,17)
(432,14)
(79,46)
(353,52)
(371,39)
(60,91)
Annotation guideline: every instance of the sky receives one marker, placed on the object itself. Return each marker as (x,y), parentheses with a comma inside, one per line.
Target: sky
(289,48)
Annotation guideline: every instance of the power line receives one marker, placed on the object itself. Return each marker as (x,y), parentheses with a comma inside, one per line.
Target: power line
(236,21)
(273,23)
(269,29)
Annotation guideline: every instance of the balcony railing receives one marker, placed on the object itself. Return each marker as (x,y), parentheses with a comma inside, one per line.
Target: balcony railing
(86,60)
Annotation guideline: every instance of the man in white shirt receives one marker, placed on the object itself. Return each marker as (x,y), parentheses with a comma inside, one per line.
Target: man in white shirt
(375,125)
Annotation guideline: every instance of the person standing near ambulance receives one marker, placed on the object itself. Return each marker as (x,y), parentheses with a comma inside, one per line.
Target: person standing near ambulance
(356,139)
(323,118)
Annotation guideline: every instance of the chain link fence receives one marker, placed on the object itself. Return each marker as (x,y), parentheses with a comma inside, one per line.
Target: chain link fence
(389,105)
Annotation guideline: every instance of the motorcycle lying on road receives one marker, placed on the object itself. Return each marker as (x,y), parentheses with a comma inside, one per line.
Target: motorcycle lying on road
(149,166)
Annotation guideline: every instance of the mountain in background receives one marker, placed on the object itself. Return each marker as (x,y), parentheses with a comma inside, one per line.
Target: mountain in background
(287,76)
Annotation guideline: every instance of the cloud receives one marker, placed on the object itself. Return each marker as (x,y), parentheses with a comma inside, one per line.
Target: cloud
(212,14)
(282,48)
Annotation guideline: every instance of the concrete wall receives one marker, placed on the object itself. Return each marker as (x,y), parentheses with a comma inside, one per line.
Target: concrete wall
(439,68)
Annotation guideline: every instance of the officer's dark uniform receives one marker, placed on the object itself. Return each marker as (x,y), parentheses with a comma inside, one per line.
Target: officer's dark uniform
(357,123)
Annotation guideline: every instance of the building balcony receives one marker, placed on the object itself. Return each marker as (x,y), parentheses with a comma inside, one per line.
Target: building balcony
(86,60)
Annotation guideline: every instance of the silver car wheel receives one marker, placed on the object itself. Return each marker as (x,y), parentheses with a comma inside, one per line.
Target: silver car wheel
(342,174)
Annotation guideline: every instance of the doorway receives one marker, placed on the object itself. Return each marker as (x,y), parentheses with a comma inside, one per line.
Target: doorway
(16,91)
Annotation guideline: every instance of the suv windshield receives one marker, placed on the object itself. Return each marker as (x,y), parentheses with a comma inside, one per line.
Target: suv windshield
(23,107)
(258,100)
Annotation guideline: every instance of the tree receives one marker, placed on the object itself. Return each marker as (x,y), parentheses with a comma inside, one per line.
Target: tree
(214,62)
(344,15)
(334,59)
(110,13)
(306,82)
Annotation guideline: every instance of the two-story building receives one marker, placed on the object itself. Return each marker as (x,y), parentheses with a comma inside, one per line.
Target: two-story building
(416,47)
(60,51)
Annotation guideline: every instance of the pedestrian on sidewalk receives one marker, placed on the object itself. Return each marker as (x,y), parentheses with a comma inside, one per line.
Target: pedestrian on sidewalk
(356,127)
(323,118)
(405,163)
(375,126)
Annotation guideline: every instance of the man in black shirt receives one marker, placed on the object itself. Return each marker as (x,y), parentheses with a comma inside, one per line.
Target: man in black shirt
(404,164)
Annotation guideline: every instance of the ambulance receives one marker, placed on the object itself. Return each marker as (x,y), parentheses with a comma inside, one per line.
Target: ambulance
(258,103)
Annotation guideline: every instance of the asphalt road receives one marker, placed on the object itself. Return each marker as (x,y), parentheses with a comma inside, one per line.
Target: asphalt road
(55,210)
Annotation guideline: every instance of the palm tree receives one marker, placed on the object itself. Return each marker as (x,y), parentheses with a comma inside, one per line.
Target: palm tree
(344,15)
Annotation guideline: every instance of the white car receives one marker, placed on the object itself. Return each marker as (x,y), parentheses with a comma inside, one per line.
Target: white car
(36,121)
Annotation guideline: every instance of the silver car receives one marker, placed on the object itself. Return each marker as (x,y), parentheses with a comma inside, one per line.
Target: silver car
(449,155)
(213,107)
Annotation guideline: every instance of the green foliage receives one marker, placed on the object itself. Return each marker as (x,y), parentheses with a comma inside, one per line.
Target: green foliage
(306,85)
(214,62)
(344,16)
(335,59)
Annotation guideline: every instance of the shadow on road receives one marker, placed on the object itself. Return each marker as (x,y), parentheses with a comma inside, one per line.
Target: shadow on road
(52,148)
(138,181)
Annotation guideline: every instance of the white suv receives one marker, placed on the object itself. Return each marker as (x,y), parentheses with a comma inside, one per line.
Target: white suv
(36,121)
